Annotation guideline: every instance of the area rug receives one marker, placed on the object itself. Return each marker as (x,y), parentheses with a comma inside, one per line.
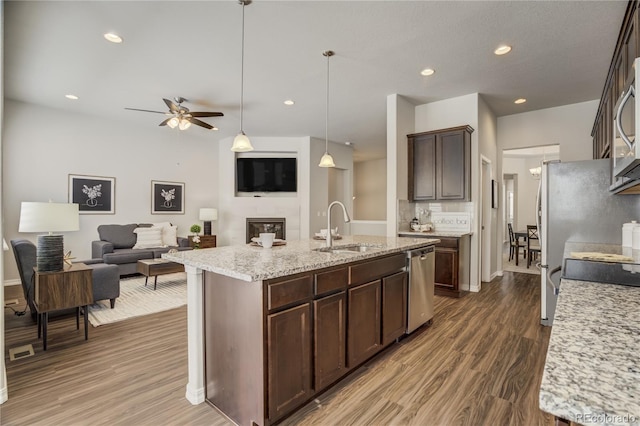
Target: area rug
(136,300)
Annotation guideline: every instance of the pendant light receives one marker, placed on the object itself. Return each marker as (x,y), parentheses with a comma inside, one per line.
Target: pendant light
(327,159)
(241,142)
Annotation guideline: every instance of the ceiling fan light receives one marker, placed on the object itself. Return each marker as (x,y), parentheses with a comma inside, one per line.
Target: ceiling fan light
(241,143)
(327,161)
(173,123)
(184,124)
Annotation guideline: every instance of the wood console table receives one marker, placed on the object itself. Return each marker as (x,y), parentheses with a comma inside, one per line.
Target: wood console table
(69,288)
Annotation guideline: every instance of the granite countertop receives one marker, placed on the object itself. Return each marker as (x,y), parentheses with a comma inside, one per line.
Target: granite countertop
(433,234)
(252,263)
(592,371)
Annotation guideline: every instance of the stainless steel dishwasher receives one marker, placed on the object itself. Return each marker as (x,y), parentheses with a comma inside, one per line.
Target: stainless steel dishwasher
(421,268)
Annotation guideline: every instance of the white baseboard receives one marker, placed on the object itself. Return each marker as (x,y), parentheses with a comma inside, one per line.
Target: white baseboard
(499,273)
(496,274)
(8,283)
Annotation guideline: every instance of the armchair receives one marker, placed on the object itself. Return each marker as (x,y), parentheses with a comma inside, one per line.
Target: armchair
(106,279)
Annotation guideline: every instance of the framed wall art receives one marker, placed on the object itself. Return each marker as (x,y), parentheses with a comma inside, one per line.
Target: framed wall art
(93,194)
(167,197)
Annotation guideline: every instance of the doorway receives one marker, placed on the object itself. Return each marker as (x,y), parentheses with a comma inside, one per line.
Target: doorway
(486,215)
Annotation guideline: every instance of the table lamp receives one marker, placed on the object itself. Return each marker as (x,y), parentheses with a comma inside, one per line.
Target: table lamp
(207,215)
(49,217)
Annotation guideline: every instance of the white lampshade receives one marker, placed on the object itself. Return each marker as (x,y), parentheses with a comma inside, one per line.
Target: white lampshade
(173,122)
(49,217)
(208,214)
(327,161)
(241,143)
(184,124)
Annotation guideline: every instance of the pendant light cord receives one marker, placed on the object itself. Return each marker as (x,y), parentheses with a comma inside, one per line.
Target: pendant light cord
(242,74)
(326,123)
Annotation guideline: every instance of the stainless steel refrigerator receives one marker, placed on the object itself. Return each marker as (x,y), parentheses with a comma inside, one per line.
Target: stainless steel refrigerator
(575,204)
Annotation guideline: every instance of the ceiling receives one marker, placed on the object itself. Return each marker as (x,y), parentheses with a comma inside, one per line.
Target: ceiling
(561,53)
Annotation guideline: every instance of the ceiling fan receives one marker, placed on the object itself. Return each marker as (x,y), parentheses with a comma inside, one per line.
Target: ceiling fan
(181,116)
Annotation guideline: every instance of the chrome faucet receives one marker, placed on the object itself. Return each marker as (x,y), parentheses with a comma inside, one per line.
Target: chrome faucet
(346,219)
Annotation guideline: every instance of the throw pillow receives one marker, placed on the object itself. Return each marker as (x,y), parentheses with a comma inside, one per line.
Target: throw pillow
(148,238)
(169,233)
(170,236)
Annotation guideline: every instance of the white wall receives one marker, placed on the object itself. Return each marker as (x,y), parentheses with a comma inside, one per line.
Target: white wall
(488,148)
(400,123)
(370,190)
(569,126)
(43,146)
(4,393)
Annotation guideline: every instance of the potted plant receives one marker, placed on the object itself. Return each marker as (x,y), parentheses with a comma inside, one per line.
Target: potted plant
(195,239)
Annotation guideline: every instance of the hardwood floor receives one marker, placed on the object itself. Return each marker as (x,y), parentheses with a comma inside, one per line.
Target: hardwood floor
(480,363)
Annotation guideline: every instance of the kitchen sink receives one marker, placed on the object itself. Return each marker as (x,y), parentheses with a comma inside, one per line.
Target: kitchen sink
(350,248)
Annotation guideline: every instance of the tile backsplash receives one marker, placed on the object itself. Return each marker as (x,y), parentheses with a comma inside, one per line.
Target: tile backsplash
(423,211)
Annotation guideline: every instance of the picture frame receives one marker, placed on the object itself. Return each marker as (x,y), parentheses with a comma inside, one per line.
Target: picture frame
(494,194)
(167,197)
(93,194)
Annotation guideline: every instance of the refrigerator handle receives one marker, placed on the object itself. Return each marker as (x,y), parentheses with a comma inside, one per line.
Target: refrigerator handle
(556,289)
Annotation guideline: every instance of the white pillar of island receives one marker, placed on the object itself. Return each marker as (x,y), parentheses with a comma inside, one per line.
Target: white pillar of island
(195,335)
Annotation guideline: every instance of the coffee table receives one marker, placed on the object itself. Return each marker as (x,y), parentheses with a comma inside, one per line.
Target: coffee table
(155,267)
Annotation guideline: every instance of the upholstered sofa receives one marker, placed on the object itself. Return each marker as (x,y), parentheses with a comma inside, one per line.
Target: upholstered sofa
(124,245)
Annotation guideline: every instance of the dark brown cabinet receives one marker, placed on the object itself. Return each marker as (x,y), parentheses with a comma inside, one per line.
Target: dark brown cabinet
(289,359)
(394,307)
(364,338)
(452,266)
(620,70)
(329,339)
(440,164)
(271,346)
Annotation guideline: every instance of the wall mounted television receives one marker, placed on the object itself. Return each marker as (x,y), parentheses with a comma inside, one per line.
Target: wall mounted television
(267,174)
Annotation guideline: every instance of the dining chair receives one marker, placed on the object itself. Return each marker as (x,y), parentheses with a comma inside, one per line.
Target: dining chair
(514,245)
(533,243)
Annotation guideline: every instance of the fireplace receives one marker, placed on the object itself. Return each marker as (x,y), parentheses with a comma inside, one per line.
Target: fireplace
(256,225)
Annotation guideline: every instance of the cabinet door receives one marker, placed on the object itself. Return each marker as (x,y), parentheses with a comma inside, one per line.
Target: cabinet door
(394,307)
(446,273)
(329,339)
(364,322)
(422,167)
(289,359)
(451,166)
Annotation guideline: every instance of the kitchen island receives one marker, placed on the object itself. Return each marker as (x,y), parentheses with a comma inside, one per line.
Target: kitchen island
(268,329)
(592,370)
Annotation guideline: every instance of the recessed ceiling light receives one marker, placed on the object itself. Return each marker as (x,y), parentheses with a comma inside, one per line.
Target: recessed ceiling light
(502,50)
(214,128)
(427,71)
(289,102)
(72,97)
(113,38)
(348,143)
(520,101)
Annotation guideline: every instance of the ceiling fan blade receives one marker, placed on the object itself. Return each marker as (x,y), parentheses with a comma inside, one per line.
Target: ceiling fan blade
(199,123)
(205,114)
(164,123)
(172,107)
(146,110)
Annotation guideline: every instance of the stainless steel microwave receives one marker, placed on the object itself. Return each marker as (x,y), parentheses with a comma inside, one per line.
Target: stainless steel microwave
(626,151)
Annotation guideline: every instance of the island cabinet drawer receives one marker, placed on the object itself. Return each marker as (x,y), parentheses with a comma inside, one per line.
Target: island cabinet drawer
(448,242)
(374,269)
(330,281)
(288,291)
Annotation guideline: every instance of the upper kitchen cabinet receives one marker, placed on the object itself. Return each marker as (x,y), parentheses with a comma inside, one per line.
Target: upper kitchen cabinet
(440,165)
(620,70)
